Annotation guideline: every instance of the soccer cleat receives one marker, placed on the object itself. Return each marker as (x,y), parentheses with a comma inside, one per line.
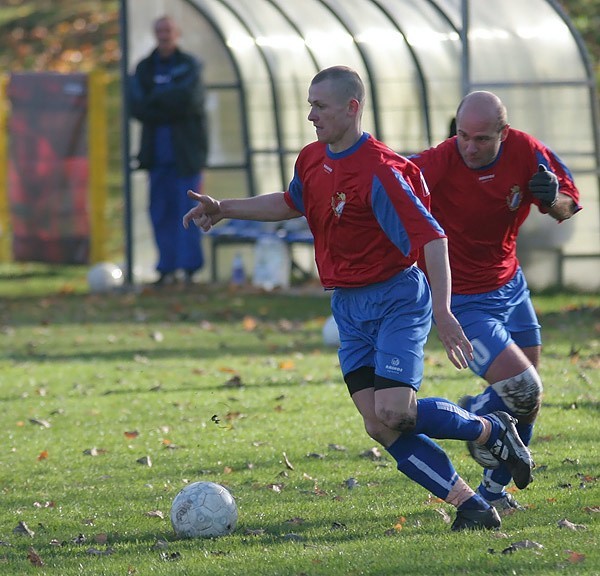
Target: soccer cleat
(505,503)
(510,450)
(476,520)
(478,452)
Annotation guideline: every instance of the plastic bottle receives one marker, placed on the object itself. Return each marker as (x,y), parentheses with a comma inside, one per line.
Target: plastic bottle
(272,264)
(238,274)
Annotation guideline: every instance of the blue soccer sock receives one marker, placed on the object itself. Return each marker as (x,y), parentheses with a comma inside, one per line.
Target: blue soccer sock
(440,418)
(486,402)
(423,461)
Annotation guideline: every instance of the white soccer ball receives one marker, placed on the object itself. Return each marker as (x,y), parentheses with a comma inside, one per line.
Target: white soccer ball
(331,336)
(104,277)
(203,510)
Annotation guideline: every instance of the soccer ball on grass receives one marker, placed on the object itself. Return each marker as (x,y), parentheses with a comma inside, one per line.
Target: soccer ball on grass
(104,277)
(203,510)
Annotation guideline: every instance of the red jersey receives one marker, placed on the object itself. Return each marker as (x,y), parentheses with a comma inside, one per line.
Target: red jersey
(367,208)
(482,210)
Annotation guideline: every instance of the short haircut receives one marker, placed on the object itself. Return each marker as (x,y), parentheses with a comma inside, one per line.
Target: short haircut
(347,81)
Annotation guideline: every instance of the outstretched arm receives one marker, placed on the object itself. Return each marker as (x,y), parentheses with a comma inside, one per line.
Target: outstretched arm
(453,338)
(265,207)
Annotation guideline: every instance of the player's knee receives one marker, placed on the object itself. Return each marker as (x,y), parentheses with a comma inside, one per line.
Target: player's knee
(377,431)
(522,394)
(403,422)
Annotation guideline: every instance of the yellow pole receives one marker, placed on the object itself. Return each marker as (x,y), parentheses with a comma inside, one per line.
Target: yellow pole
(5,228)
(98,158)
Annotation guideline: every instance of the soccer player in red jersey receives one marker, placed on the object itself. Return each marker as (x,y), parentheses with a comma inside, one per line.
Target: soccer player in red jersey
(483,183)
(367,209)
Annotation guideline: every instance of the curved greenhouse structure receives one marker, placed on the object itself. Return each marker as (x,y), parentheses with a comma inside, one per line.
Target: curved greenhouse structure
(417,58)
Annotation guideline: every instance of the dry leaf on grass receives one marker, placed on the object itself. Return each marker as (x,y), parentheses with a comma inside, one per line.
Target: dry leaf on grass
(155,514)
(522,544)
(575,557)
(22,528)
(445,516)
(287,462)
(34,557)
(372,454)
(351,483)
(564,523)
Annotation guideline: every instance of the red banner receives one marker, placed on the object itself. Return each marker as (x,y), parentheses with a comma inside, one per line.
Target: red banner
(48,169)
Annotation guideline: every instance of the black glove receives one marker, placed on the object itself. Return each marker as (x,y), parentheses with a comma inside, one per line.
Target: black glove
(544,186)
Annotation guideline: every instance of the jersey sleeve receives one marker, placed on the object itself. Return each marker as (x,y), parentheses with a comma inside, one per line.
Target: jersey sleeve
(400,201)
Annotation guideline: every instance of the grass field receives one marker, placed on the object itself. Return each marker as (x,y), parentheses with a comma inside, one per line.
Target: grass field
(111,404)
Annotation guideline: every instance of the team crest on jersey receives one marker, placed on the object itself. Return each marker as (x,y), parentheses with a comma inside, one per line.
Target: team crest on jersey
(337,203)
(513,200)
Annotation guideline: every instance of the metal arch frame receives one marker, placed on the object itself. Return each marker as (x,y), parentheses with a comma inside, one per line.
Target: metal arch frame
(274,94)
(242,92)
(368,66)
(422,80)
(591,81)
(296,29)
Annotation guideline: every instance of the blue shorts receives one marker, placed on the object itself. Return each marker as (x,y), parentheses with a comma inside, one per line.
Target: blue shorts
(385,326)
(494,320)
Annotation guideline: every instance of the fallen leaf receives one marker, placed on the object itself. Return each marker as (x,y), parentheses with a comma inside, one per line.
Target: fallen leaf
(43,455)
(101,538)
(373,454)
(96,552)
(34,557)
(131,434)
(234,382)
(287,365)
(575,557)
(22,528)
(351,483)
(445,516)
(522,544)
(40,422)
(287,462)
(145,461)
(155,514)
(564,523)
(249,323)
(94,451)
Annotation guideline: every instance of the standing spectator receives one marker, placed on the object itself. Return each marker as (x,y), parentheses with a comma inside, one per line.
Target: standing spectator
(483,183)
(167,97)
(367,209)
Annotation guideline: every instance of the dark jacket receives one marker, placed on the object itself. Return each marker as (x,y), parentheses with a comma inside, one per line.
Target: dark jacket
(181,105)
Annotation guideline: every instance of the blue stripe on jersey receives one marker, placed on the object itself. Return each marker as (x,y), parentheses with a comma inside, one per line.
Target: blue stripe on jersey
(388,217)
(542,160)
(295,190)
